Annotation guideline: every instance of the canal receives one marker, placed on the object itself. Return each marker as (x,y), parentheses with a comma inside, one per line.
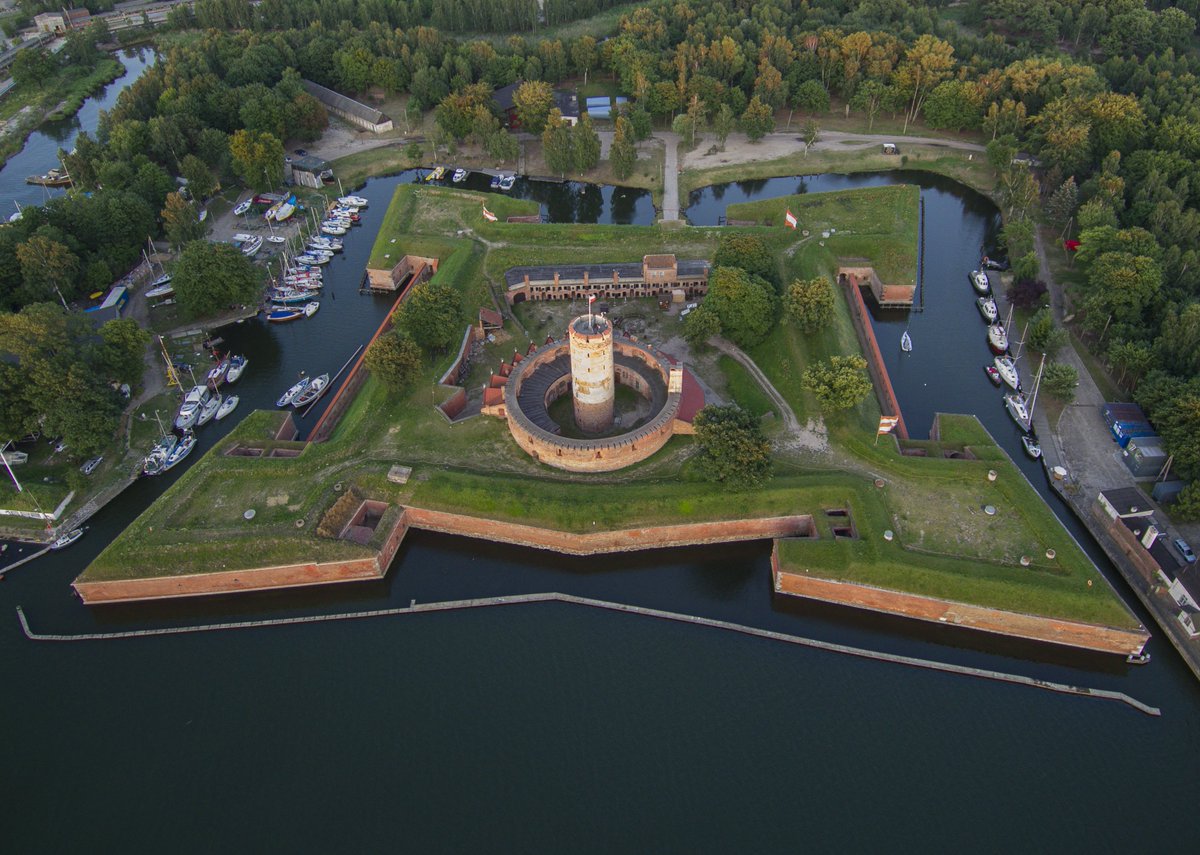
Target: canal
(40,153)
(560,726)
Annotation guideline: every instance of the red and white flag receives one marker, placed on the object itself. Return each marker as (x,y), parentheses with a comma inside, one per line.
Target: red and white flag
(790,220)
(591,299)
(488,215)
(887,423)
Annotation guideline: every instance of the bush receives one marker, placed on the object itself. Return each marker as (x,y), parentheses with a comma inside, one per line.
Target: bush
(1060,381)
(1026,293)
(733,448)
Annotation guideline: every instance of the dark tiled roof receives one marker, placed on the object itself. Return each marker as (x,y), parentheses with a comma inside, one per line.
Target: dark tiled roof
(567,103)
(504,95)
(1127,500)
(515,276)
(340,102)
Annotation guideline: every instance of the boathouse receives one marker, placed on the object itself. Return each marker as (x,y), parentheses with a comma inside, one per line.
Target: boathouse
(354,112)
(307,171)
(656,276)
(410,270)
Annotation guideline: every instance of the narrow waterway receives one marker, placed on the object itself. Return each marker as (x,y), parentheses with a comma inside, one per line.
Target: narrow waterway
(563,727)
(40,153)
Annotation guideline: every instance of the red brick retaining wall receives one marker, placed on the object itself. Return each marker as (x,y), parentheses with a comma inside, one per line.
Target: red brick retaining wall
(1085,636)
(879,375)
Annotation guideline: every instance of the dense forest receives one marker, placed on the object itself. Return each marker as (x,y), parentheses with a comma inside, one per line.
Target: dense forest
(1104,93)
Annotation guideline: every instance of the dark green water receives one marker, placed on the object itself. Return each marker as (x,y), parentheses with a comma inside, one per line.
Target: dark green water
(552,727)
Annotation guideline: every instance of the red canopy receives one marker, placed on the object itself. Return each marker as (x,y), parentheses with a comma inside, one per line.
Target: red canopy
(1072,245)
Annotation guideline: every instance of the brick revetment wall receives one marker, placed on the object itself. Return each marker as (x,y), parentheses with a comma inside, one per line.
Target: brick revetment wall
(1085,636)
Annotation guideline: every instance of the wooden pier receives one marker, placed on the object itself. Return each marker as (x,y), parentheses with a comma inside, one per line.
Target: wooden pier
(525,599)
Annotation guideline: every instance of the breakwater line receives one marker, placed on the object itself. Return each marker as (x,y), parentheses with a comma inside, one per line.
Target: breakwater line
(523,599)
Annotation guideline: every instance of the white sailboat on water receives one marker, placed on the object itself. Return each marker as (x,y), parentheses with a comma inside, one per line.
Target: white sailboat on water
(1020,409)
(906,342)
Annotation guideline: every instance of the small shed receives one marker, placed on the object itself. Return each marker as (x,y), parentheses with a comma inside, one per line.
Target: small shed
(890,148)
(1144,456)
(110,307)
(307,171)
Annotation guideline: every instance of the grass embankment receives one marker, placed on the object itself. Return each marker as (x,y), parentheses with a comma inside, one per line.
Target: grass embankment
(879,223)
(970,168)
(944,546)
(57,98)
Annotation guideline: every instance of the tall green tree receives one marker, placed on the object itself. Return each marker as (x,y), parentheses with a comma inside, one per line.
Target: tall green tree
(745,304)
(585,146)
(49,270)
(181,223)
(758,120)
(839,383)
(557,149)
(748,252)
(733,450)
(432,315)
(1060,380)
(534,99)
(396,360)
(257,159)
(120,357)
(212,277)
(623,155)
(810,303)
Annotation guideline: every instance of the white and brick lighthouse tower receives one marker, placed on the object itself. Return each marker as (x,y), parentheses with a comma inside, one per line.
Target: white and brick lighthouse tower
(592,381)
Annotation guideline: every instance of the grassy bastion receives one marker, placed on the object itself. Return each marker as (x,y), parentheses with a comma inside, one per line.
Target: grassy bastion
(827,510)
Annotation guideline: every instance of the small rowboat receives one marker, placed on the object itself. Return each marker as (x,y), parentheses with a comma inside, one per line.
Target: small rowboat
(290,395)
(310,309)
(993,375)
(227,407)
(314,390)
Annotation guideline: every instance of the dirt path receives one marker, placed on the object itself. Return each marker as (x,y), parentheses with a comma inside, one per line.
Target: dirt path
(739,149)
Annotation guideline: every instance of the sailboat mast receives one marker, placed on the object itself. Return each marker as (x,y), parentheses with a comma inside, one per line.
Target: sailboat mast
(1036,385)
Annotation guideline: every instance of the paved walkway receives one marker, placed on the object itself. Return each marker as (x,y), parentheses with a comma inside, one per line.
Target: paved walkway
(670,176)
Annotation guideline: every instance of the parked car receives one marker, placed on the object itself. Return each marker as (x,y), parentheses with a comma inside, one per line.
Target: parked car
(1185,550)
(301,152)
(90,467)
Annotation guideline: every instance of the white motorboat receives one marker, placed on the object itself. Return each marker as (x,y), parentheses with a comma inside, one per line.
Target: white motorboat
(252,246)
(310,309)
(1032,447)
(356,201)
(242,237)
(1006,367)
(189,410)
(979,281)
(157,458)
(459,176)
(162,280)
(1018,408)
(320,253)
(276,239)
(208,410)
(312,259)
(315,389)
(997,338)
(237,364)
(182,450)
(65,540)
(507,182)
(332,230)
(906,342)
(227,407)
(987,308)
(290,395)
(242,207)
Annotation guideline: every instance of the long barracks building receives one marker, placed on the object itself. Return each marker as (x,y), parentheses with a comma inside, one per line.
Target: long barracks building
(657,275)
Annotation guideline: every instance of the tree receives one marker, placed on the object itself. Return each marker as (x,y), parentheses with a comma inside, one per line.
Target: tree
(557,150)
(869,99)
(1026,293)
(257,159)
(458,113)
(534,100)
(622,155)
(1062,204)
(758,120)
(431,315)
(1186,506)
(733,449)
(32,67)
(396,360)
(639,120)
(1044,336)
(954,104)
(502,146)
(201,182)
(181,223)
(1133,358)
(839,383)
(811,97)
(685,127)
(49,269)
(1122,287)
(926,63)
(810,303)
(211,277)
(120,357)
(1179,425)
(809,135)
(747,252)
(723,124)
(700,325)
(745,304)
(1060,380)
(584,55)
(585,145)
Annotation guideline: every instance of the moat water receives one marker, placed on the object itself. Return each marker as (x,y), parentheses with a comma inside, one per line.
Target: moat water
(551,727)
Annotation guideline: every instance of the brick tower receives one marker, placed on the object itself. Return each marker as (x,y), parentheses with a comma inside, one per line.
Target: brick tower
(592,380)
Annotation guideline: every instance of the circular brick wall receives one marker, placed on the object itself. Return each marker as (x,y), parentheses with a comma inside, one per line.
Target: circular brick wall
(589,455)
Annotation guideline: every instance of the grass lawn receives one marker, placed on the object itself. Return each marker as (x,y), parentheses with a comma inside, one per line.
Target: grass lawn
(944,545)
(879,223)
(973,171)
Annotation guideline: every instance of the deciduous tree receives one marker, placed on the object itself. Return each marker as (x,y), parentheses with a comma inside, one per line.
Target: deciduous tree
(257,159)
(211,277)
(622,155)
(585,146)
(432,315)
(534,100)
(395,360)
(810,303)
(758,120)
(557,150)
(839,383)
(733,450)
(745,304)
